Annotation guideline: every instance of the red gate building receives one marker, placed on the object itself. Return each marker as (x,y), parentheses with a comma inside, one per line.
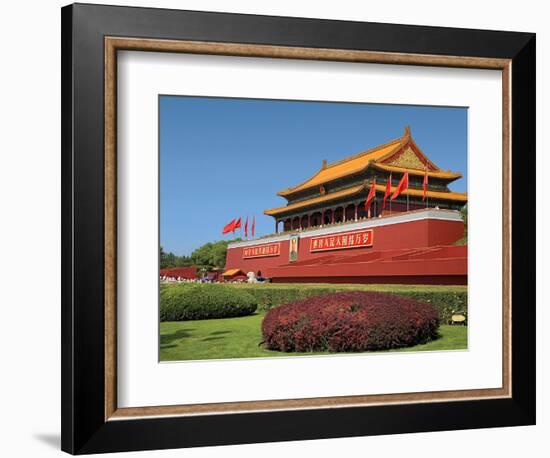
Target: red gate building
(325,234)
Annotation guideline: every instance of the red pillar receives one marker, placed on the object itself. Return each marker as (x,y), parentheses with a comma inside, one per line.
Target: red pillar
(332,222)
(356,206)
(276,227)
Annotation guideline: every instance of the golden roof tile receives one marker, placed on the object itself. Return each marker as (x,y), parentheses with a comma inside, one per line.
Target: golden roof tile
(374,157)
(344,167)
(232,272)
(442,195)
(436,174)
(316,200)
(380,189)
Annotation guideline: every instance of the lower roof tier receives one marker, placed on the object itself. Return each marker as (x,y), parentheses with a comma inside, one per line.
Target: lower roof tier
(456,197)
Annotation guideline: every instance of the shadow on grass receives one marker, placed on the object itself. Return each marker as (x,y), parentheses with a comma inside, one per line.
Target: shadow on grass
(437,336)
(167,339)
(216,335)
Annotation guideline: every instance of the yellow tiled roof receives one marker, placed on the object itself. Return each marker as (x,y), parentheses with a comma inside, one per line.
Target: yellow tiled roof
(435,174)
(372,157)
(306,203)
(347,166)
(232,272)
(380,189)
(443,195)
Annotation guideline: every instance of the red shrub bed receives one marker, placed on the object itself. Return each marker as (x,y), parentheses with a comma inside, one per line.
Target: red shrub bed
(349,322)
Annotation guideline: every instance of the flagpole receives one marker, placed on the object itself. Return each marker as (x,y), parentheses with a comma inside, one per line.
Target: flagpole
(390,192)
(389,179)
(407,191)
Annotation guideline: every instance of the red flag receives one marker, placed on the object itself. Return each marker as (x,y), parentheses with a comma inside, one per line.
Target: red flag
(403,184)
(229,227)
(237,225)
(387,192)
(372,193)
(246,227)
(425,184)
(253,226)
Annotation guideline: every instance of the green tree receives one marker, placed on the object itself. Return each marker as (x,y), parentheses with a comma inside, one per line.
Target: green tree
(211,255)
(464,214)
(169,259)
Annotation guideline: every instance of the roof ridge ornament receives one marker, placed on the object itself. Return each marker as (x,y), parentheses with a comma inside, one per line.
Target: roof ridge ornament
(406,136)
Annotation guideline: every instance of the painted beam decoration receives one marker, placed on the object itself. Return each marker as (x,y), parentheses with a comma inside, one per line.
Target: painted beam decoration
(261,251)
(341,241)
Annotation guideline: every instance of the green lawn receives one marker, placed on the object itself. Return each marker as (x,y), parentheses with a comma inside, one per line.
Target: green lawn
(240,337)
(356,287)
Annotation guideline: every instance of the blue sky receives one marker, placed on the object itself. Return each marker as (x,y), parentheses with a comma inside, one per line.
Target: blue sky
(223,158)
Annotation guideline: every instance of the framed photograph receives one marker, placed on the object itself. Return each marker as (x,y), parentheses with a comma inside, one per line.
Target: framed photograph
(270,222)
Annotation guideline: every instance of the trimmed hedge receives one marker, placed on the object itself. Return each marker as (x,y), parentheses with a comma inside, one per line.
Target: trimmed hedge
(204,301)
(445,301)
(269,297)
(350,322)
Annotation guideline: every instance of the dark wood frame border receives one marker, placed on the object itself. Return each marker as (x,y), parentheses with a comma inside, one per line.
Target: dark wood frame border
(114,44)
(91,36)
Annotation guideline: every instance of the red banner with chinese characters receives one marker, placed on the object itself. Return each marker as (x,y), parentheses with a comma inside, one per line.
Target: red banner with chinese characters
(341,241)
(260,251)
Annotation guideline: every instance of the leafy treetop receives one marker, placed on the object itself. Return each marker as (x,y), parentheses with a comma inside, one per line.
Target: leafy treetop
(209,256)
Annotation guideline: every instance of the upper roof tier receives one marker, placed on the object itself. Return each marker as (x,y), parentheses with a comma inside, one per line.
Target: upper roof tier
(400,155)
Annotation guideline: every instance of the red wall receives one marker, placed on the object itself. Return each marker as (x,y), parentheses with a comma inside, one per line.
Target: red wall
(182,272)
(414,234)
(435,265)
